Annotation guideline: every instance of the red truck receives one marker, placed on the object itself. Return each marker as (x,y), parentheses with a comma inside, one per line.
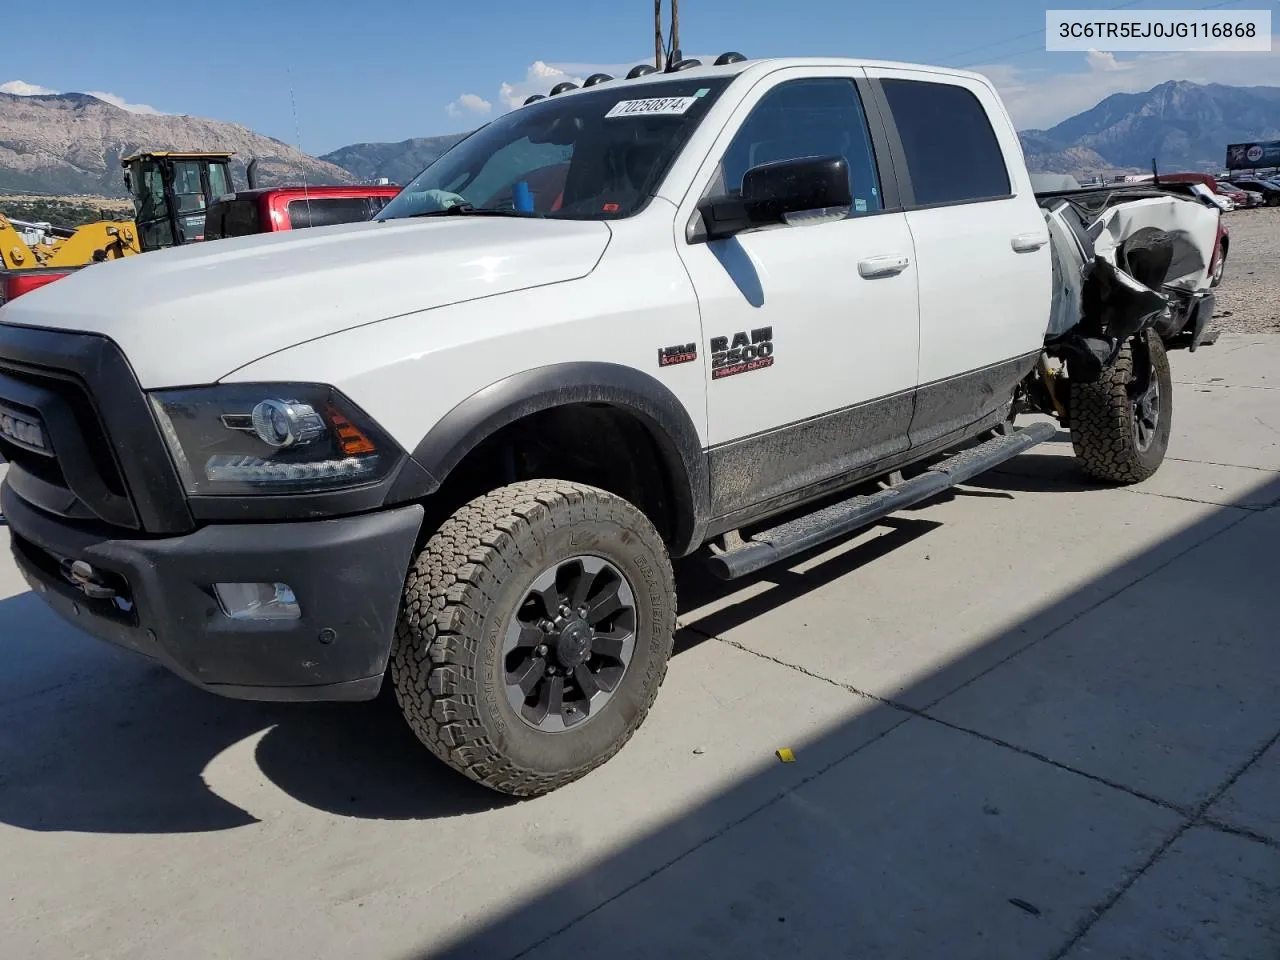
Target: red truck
(268,209)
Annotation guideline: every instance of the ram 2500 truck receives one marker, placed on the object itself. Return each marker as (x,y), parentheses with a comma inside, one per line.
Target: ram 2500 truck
(697,311)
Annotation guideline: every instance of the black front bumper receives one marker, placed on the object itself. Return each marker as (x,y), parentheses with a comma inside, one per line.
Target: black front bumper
(347,574)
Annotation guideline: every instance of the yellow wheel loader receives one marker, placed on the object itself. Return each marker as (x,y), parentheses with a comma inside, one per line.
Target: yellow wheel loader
(171,191)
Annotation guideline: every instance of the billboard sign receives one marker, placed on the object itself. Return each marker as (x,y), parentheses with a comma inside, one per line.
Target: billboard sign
(1252,156)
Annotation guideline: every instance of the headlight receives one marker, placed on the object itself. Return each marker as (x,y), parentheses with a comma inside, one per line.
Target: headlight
(237,439)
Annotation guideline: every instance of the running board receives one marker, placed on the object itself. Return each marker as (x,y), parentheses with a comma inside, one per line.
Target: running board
(814,529)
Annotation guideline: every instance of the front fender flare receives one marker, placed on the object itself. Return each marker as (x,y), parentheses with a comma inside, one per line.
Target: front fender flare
(522,394)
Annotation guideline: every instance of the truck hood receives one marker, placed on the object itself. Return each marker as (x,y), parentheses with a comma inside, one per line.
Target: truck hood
(193,314)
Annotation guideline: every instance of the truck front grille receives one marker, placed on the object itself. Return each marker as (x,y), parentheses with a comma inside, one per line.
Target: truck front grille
(79,477)
(84,443)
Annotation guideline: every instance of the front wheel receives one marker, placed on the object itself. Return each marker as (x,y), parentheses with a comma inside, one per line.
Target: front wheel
(535,632)
(1120,425)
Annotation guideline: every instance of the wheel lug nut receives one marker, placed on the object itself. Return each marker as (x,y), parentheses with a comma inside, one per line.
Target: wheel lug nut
(541,650)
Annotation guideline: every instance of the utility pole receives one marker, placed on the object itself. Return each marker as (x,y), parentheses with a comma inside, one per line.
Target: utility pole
(657,34)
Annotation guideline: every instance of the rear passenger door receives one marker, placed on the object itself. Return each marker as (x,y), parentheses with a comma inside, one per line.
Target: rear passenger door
(982,254)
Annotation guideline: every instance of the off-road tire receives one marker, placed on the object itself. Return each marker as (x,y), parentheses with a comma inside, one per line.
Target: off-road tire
(1103,432)
(461,590)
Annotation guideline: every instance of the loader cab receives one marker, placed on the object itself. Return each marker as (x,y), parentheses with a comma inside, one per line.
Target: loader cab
(171,192)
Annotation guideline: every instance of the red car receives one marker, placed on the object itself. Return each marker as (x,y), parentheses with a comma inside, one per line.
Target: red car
(1238,197)
(268,209)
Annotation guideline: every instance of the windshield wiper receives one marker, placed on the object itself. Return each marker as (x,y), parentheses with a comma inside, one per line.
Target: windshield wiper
(467,210)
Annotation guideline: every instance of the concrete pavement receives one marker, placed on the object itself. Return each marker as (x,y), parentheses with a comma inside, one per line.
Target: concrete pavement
(1037,718)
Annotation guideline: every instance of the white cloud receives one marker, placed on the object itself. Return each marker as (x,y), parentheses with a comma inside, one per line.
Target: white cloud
(123,104)
(1041,98)
(1102,60)
(539,78)
(21,88)
(468,103)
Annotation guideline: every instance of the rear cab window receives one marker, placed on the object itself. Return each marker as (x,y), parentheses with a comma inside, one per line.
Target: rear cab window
(232,218)
(952,153)
(328,211)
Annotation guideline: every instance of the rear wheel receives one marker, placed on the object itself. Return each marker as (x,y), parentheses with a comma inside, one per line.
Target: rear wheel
(1120,425)
(535,632)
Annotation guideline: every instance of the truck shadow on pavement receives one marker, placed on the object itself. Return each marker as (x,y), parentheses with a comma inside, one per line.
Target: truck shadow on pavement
(97,740)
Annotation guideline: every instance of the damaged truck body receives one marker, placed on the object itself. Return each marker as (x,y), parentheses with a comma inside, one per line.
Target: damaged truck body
(726,312)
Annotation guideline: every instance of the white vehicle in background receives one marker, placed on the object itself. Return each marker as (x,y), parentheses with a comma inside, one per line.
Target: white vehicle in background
(669,315)
(1225,204)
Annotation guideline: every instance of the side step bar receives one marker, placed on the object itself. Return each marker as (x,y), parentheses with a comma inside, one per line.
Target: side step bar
(814,529)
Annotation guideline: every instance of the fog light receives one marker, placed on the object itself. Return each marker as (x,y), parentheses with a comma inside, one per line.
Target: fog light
(258,601)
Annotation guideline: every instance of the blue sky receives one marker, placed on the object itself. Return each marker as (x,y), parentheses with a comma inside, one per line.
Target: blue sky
(397,69)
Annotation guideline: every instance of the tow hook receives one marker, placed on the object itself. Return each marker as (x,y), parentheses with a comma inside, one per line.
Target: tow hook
(83,577)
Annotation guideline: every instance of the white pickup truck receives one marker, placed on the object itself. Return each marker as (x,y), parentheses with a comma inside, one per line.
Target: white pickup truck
(697,311)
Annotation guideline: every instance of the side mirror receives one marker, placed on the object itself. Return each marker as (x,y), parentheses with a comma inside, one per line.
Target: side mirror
(773,190)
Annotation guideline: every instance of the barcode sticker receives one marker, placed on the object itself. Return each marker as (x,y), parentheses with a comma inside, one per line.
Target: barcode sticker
(653,107)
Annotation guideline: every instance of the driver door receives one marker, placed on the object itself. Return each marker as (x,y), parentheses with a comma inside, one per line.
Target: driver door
(812,327)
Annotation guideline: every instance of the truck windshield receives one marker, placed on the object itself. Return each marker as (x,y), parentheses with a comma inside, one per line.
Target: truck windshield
(598,155)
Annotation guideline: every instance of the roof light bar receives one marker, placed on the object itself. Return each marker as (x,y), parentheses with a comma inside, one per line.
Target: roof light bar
(639,70)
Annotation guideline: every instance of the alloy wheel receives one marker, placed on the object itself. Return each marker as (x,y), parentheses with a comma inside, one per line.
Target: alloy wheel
(569,644)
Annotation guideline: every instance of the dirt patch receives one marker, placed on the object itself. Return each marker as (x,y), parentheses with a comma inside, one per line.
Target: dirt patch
(1249,297)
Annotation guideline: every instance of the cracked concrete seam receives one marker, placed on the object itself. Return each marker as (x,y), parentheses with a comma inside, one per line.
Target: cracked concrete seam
(1195,819)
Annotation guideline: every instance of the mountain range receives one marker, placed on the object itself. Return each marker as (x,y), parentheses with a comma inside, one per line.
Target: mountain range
(398,162)
(72,143)
(1182,125)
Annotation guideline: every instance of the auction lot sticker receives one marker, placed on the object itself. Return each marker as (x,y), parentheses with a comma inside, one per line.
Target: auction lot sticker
(653,107)
(1132,30)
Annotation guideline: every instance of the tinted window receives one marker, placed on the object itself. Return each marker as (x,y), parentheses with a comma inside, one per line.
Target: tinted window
(232,218)
(149,188)
(325,213)
(218,181)
(188,188)
(952,152)
(805,118)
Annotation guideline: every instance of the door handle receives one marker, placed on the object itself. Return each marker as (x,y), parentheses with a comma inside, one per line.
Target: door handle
(889,266)
(1028,242)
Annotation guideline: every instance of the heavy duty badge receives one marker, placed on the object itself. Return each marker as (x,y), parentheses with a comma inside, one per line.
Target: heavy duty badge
(743,354)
